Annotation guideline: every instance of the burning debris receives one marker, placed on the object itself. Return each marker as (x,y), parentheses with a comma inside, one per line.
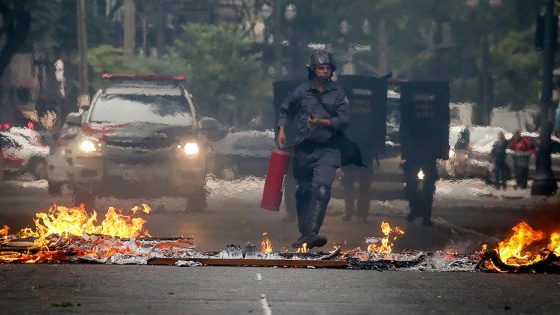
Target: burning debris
(527,250)
(71,235)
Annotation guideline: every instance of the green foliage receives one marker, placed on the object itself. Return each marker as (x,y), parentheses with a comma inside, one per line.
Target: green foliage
(108,59)
(223,63)
(474,43)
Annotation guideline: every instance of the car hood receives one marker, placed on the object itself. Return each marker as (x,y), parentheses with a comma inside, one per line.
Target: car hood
(146,135)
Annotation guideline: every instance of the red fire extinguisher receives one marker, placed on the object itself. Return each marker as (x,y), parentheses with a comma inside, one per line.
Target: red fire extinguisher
(274,183)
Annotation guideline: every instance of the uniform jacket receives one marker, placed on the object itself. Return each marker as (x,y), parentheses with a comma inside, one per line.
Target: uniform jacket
(302,103)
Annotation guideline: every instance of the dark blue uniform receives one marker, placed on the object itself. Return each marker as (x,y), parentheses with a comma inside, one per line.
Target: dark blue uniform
(316,159)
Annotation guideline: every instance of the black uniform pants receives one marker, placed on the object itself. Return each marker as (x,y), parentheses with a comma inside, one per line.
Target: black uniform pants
(356,182)
(420,192)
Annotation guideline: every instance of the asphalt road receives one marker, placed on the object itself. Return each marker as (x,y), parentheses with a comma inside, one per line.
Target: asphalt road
(463,221)
(111,289)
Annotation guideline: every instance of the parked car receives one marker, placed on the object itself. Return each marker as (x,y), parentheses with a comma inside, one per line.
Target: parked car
(243,153)
(20,156)
(141,137)
(473,162)
(477,162)
(31,135)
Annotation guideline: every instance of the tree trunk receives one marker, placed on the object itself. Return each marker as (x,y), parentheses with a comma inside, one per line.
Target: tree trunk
(129,27)
(383,61)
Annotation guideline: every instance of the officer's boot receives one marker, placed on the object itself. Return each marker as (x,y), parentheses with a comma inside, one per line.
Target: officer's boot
(428,201)
(303,199)
(427,216)
(349,198)
(363,208)
(317,210)
(348,208)
(414,204)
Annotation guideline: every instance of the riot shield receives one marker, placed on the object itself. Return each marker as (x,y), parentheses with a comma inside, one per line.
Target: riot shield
(368,107)
(424,130)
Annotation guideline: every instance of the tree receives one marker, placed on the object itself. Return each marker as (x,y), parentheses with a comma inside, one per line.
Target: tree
(108,59)
(226,71)
(15,29)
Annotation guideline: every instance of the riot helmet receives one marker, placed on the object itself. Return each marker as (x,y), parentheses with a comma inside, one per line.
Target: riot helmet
(320,57)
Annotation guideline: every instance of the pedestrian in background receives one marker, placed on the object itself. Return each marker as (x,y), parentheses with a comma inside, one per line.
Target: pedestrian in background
(522,150)
(316,158)
(502,172)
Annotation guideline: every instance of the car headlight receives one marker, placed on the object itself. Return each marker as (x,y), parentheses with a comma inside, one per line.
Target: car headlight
(90,145)
(189,149)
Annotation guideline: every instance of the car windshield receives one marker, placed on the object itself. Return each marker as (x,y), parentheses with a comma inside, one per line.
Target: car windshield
(133,108)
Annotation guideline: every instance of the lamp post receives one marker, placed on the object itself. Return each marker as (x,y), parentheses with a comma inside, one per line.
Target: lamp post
(83,98)
(544,182)
(350,41)
(278,12)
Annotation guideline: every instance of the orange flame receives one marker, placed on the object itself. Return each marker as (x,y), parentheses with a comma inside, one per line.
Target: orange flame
(76,221)
(303,249)
(385,246)
(4,230)
(266,245)
(555,243)
(514,252)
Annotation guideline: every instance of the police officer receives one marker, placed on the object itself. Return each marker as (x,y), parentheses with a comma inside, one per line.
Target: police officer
(357,199)
(421,177)
(316,159)
(424,134)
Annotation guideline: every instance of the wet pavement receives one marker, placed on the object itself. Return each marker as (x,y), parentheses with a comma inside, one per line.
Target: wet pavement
(466,215)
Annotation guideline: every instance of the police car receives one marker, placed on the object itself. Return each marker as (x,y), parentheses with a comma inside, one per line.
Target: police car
(141,137)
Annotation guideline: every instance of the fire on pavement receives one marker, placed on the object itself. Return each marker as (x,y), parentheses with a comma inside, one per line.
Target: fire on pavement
(72,235)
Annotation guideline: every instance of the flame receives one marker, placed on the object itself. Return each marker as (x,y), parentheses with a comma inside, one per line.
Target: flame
(64,222)
(4,231)
(385,247)
(303,249)
(266,245)
(145,208)
(514,252)
(555,243)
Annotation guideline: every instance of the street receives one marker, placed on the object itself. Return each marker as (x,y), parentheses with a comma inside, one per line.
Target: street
(467,214)
(111,289)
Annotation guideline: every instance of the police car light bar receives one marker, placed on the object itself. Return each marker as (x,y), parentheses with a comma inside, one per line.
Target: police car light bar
(156,77)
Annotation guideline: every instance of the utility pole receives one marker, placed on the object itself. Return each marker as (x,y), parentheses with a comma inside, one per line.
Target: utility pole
(277,38)
(544,182)
(129,28)
(383,60)
(83,98)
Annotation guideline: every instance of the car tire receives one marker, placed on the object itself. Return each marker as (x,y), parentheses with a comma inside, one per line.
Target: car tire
(197,200)
(84,197)
(54,189)
(39,169)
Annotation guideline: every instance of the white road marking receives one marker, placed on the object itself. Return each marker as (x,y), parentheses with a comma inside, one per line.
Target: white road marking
(259,277)
(264,304)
